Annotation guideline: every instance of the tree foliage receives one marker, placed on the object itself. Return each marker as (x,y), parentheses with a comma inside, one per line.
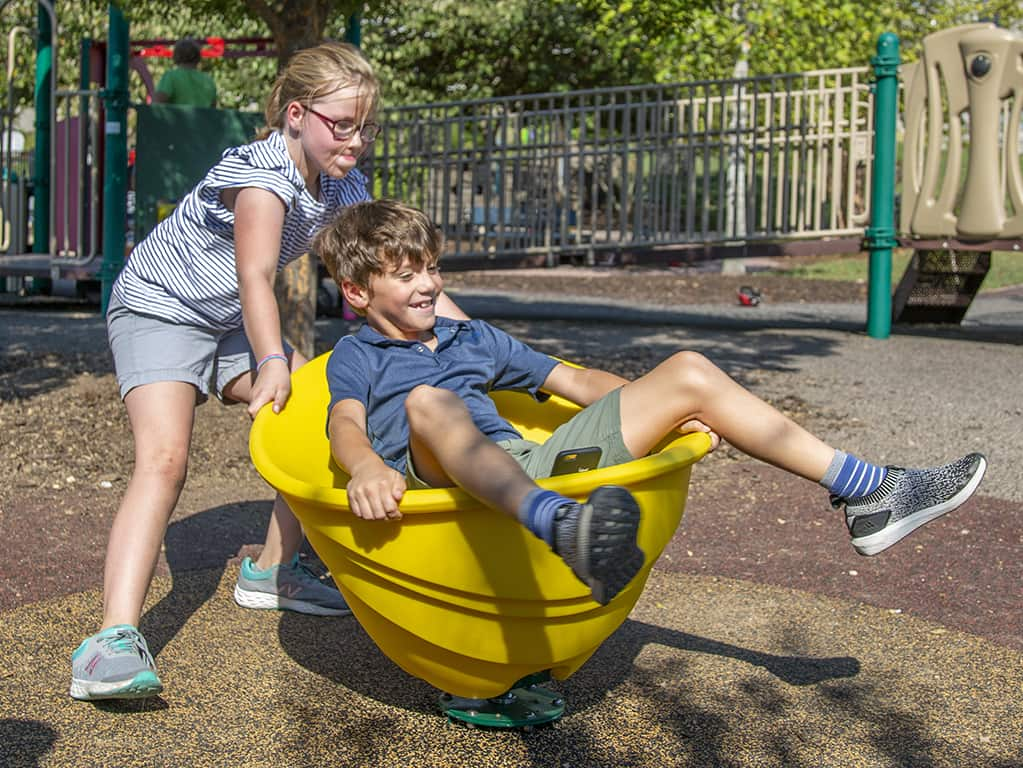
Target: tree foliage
(431,50)
(293,24)
(801,35)
(434,50)
(428,50)
(241,82)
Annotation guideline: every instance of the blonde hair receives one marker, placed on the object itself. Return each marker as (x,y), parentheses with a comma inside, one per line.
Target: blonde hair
(313,73)
(370,238)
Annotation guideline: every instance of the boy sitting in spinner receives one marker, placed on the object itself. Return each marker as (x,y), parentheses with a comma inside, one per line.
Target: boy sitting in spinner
(409,408)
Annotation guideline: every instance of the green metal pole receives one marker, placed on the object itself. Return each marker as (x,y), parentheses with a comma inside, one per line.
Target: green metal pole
(353,29)
(115,160)
(41,180)
(880,235)
(84,73)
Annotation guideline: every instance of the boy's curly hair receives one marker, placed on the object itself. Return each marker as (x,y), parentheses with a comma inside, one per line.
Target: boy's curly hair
(373,237)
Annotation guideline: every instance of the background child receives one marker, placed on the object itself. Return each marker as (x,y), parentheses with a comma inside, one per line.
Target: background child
(194,311)
(409,408)
(185,83)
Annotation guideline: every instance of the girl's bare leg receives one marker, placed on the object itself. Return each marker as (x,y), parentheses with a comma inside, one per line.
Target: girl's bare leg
(284,532)
(161,416)
(283,536)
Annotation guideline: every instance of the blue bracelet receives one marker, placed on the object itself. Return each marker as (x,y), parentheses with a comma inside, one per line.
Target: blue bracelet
(268,358)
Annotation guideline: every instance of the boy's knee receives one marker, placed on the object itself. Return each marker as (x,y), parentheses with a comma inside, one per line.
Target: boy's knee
(421,399)
(693,368)
(426,404)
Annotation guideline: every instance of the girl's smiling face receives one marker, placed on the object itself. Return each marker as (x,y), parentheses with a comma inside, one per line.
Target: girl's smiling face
(401,303)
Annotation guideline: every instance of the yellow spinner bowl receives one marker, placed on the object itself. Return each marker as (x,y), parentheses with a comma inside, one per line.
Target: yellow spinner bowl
(456,593)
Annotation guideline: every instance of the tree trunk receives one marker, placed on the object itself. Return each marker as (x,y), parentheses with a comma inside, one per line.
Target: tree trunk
(297,24)
(296,298)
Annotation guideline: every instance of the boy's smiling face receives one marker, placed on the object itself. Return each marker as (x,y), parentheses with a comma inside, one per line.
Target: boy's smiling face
(401,302)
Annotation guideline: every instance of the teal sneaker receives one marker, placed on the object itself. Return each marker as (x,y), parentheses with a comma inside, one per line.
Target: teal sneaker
(114,664)
(291,587)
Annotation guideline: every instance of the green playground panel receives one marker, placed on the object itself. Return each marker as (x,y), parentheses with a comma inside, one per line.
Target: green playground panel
(525,706)
(176,146)
(522,708)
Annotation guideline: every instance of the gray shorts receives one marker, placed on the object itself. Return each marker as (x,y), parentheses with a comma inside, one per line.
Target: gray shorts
(598,424)
(147,350)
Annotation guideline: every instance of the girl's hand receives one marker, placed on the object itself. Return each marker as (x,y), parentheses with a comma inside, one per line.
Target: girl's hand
(272,385)
(374,493)
(694,425)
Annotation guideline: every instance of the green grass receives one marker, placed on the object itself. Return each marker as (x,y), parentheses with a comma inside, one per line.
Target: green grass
(1006,269)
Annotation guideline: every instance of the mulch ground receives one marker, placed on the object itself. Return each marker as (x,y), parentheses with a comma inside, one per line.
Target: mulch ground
(721,663)
(68,453)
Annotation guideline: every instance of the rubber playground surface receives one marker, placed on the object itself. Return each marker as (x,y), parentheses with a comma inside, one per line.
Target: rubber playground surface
(762,639)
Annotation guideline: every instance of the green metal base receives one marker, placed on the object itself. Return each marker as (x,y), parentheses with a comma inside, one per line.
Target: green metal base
(526,705)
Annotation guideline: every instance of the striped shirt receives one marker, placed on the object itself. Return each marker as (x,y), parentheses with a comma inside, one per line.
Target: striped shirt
(184,270)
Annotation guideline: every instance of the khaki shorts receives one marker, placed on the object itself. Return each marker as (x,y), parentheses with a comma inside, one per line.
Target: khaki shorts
(598,424)
(147,350)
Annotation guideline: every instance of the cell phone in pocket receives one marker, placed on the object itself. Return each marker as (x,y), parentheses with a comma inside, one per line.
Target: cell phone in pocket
(576,460)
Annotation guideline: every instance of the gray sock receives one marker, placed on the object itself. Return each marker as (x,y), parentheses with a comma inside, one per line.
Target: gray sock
(833,469)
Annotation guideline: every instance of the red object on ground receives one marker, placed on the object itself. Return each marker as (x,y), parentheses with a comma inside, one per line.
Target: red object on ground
(749,297)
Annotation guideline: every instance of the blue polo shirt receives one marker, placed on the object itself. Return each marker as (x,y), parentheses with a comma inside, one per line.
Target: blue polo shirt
(471,359)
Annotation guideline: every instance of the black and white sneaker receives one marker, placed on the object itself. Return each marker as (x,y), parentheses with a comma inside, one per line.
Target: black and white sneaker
(598,540)
(908,498)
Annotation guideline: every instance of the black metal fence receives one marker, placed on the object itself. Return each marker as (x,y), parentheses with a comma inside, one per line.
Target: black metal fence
(532,179)
(592,175)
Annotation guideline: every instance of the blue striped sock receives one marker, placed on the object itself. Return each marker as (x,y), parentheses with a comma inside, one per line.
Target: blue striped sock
(537,512)
(852,478)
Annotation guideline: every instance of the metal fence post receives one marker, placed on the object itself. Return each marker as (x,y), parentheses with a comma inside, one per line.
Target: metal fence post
(353,28)
(880,235)
(115,167)
(42,180)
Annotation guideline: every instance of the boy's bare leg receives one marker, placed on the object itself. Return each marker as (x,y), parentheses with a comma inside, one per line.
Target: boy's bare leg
(688,386)
(448,449)
(161,416)
(597,540)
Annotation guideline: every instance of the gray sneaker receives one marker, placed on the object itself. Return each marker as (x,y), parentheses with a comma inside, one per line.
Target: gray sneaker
(114,664)
(907,499)
(598,540)
(292,587)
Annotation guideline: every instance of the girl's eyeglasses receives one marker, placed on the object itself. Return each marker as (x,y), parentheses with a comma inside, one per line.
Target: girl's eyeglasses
(343,130)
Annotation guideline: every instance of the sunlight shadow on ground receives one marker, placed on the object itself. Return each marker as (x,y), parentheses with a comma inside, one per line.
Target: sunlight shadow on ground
(374,674)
